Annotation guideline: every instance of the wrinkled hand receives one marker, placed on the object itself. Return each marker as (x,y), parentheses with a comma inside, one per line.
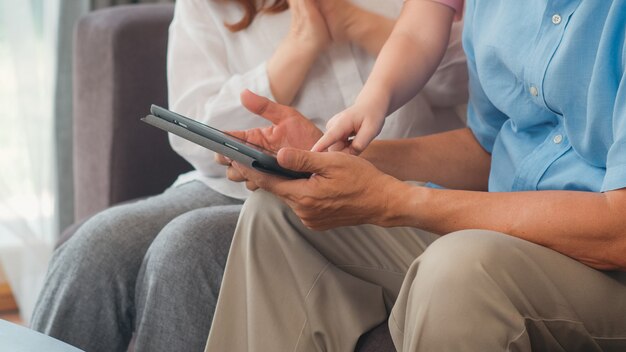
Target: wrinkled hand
(308,26)
(351,130)
(289,129)
(344,190)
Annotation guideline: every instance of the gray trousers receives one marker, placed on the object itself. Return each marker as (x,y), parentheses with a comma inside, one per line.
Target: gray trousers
(153,267)
(288,288)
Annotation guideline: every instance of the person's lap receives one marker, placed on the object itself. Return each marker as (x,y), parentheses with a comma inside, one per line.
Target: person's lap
(298,270)
(89,295)
(290,288)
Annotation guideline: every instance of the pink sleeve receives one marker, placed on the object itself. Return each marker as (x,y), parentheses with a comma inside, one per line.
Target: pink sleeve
(457,5)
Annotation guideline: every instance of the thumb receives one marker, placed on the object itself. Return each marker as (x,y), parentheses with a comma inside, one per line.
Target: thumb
(303,160)
(251,101)
(264,107)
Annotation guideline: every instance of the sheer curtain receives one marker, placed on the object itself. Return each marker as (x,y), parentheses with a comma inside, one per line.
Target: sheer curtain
(35,135)
(28,30)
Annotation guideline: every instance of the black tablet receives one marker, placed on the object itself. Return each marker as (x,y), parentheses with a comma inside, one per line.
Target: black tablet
(220,142)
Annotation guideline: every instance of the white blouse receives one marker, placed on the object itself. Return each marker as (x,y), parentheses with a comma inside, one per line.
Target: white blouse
(209,66)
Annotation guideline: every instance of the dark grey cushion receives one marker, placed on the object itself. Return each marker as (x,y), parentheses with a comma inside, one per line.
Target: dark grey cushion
(119,70)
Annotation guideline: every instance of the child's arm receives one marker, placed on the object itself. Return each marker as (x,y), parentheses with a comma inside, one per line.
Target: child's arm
(408,59)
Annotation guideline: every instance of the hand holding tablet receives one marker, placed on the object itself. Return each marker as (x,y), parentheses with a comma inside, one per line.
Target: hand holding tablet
(245,153)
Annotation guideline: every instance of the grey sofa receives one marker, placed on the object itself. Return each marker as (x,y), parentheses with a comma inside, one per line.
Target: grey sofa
(119,70)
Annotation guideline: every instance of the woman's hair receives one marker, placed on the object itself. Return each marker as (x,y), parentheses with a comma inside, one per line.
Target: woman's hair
(253,8)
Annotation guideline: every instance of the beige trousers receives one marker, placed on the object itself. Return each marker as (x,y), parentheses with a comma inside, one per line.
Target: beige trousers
(288,288)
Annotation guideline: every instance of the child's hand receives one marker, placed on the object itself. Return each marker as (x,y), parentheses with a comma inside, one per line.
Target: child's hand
(351,130)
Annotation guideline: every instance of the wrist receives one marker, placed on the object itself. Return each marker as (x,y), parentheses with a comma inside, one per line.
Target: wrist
(294,52)
(355,22)
(288,67)
(373,100)
(404,205)
(303,45)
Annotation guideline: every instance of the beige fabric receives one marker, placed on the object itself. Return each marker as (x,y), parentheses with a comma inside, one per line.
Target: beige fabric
(501,293)
(287,288)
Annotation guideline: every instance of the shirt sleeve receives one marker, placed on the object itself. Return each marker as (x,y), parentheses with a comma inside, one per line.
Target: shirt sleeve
(615,177)
(201,84)
(456,5)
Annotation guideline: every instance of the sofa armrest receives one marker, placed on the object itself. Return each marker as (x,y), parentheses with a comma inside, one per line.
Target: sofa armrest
(119,70)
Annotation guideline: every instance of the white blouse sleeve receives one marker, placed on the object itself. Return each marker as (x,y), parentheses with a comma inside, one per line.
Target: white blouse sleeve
(200,83)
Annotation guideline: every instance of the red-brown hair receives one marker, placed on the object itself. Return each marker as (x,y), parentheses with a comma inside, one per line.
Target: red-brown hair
(253,8)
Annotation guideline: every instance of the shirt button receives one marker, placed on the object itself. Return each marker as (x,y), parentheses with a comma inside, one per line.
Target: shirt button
(556,18)
(533,91)
(557,139)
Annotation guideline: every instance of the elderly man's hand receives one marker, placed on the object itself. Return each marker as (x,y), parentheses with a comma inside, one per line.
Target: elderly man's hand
(344,189)
(289,129)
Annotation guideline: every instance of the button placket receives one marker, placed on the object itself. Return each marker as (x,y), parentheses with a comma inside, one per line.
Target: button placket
(534,165)
(552,32)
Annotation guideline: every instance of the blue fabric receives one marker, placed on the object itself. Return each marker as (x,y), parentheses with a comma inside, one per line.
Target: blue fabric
(433,185)
(571,133)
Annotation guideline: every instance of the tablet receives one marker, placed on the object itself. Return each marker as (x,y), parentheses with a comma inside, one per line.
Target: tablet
(243,152)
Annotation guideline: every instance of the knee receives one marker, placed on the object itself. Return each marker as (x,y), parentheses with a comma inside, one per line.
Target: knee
(100,250)
(104,239)
(462,258)
(462,278)
(197,238)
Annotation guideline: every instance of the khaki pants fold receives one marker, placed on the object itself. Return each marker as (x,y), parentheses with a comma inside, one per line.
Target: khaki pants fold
(288,288)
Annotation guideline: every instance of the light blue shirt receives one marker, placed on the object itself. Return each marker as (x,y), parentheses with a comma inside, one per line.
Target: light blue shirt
(548,92)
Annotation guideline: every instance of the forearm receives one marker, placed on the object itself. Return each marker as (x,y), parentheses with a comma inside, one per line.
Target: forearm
(452,159)
(369,30)
(589,227)
(288,68)
(410,56)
